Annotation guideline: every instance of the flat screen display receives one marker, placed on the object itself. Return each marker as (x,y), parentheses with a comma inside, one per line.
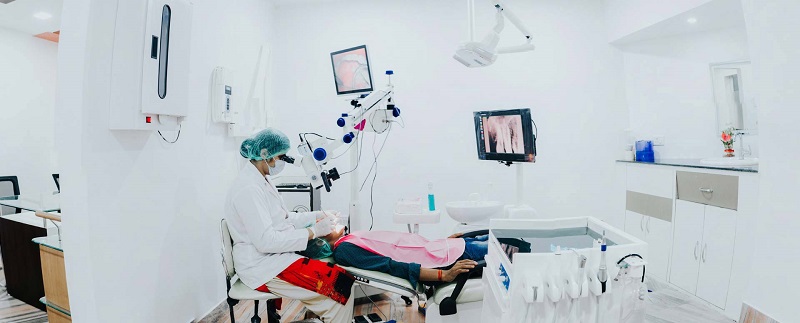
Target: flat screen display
(505,135)
(351,70)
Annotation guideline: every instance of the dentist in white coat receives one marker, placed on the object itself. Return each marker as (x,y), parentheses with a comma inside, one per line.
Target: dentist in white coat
(266,235)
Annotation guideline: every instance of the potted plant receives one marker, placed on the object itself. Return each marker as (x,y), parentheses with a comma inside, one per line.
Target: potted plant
(727,141)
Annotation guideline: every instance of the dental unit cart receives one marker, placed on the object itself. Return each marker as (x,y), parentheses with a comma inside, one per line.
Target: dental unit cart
(557,276)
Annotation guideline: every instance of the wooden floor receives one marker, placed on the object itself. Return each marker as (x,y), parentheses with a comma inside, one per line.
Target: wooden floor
(14,310)
(385,304)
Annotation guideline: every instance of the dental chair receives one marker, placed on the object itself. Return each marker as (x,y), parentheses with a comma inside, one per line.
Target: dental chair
(238,291)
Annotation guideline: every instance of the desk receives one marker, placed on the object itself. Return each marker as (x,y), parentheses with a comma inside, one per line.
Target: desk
(21,256)
(55,279)
(47,202)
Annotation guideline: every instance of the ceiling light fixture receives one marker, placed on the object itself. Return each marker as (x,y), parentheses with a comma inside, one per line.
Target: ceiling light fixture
(43,15)
(692,20)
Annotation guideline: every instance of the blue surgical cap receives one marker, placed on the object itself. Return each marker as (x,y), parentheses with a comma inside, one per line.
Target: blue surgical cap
(265,144)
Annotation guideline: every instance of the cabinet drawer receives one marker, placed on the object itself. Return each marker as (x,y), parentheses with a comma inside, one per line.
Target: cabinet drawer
(711,189)
(658,181)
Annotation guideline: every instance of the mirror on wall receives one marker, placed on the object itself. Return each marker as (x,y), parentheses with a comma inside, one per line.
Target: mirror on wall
(733,96)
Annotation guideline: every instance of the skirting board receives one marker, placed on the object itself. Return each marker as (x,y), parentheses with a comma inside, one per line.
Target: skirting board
(752,315)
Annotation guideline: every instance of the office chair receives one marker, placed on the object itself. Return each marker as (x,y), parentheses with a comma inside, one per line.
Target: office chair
(9,185)
(58,183)
(238,291)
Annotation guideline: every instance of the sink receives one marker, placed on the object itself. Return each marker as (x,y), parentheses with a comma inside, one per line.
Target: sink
(473,211)
(730,161)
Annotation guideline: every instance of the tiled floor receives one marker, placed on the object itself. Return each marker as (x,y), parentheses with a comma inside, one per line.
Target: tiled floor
(667,305)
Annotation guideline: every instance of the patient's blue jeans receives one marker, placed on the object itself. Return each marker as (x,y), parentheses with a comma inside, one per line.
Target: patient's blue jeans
(476,248)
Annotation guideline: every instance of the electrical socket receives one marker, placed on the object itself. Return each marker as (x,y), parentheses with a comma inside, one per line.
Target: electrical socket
(658,141)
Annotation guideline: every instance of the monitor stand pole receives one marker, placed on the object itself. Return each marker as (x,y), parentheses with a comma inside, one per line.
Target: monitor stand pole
(520,210)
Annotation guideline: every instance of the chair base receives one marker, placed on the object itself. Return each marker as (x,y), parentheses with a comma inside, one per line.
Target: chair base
(272,311)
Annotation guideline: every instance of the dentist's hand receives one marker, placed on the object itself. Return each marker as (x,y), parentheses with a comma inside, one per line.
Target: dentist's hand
(323,227)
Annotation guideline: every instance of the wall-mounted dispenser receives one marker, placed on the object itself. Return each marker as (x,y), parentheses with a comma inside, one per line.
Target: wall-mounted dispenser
(150,66)
(222,89)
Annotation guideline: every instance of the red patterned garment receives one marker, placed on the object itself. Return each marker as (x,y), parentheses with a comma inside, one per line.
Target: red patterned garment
(317,276)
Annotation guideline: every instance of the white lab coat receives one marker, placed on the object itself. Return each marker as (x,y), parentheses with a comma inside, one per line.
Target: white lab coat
(265,234)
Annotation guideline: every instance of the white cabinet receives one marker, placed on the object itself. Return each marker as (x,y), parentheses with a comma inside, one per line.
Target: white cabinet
(634,224)
(659,238)
(686,248)
(716,257)
(698,224)
(702,253)
(658,235)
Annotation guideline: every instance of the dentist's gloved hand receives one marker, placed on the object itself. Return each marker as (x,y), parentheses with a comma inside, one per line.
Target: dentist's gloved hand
(333,214)
(323,227)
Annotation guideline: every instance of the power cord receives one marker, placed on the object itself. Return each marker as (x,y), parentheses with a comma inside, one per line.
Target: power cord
(385,318)
(176,138)
(358,161)
(375,157)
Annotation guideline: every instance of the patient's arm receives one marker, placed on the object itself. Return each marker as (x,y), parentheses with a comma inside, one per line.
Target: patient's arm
(348,254)
(448,275)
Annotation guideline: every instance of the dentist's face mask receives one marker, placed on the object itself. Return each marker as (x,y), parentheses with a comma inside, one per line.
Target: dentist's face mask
(275,170)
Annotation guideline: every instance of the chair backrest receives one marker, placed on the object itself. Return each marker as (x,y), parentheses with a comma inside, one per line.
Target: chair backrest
(227,249)
(58,184)
(9,185)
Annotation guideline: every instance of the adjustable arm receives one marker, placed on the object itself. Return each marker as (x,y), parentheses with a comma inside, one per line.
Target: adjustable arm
(527,46)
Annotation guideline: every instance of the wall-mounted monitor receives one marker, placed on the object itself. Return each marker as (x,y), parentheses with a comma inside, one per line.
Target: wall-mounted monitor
(351,70)
(505,135)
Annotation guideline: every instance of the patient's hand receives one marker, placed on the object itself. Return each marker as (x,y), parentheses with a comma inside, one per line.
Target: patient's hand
(460,267)
(455,235)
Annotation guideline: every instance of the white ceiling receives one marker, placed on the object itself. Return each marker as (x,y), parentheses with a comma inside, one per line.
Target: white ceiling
(18,15)
(714,15)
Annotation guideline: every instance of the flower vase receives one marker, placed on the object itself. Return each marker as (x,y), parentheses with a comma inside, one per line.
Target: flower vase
(729,151)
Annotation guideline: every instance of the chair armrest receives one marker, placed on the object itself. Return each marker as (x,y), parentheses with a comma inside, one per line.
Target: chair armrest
(473,234)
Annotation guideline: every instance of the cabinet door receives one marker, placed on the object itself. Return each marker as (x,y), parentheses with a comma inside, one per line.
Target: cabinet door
(716,255)
(688,237)
(659,240)
(634,224)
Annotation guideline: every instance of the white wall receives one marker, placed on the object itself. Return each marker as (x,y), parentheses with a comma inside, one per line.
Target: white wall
(141,217)
(669,90)
(27,96)
(772,31)
(572,83)
(628,16)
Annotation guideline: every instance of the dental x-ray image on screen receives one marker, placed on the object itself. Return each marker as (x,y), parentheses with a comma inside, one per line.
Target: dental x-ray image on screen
(505,135)
(351,70)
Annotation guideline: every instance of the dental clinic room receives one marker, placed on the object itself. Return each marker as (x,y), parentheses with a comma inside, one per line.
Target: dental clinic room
(387,161)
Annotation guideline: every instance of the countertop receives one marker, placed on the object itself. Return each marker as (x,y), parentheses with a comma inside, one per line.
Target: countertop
(694,163)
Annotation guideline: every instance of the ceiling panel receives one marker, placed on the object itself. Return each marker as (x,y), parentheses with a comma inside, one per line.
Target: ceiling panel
(18,15)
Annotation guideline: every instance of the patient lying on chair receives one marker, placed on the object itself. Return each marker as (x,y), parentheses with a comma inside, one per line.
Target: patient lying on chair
(405,255)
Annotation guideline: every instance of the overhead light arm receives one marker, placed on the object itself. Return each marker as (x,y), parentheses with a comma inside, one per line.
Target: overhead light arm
(504,10)
(484,53)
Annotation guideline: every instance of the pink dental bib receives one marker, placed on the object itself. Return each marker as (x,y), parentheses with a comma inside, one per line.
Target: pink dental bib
(408,247)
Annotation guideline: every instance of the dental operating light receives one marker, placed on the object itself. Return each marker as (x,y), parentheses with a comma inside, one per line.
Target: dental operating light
(484,53)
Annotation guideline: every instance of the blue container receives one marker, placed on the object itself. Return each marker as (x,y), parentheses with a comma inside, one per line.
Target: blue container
(644,151)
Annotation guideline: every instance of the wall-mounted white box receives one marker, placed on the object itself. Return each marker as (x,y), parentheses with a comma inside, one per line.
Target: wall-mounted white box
(150,65)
